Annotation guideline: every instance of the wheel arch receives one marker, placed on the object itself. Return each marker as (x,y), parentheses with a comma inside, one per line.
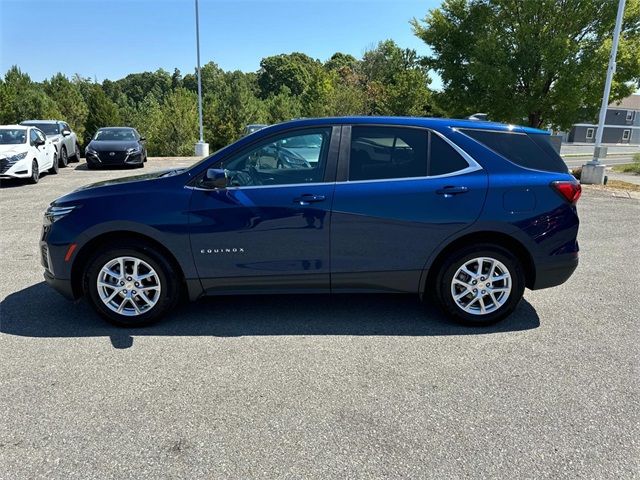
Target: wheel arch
(501,239)
(88,249)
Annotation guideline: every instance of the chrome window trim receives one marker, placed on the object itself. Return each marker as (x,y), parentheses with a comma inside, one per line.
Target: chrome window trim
(473,166)
(251,187)
(469,169)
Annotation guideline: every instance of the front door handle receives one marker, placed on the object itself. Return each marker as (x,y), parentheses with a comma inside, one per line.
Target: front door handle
(451,190)
(308,199)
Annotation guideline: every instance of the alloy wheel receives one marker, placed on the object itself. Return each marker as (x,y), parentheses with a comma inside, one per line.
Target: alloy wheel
(128,286)
(481,285)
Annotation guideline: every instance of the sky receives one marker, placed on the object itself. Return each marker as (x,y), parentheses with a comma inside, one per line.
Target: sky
(111,38)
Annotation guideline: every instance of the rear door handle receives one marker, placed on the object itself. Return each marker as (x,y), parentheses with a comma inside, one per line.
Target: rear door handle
(308,199)
(448,191)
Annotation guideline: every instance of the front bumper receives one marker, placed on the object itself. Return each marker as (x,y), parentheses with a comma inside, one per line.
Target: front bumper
(19,169)
(61,285)
(120,158)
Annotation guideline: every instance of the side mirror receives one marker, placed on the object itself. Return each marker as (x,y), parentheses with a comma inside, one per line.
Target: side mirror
(142,139)
(214,178)
(39,142)
(66,133)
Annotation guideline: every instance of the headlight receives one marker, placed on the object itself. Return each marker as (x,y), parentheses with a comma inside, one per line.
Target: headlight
(53,214)
(133,150)
(90,151)
(17,157)
(55,140)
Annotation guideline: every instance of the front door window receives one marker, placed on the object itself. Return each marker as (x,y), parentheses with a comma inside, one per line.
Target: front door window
(292,158)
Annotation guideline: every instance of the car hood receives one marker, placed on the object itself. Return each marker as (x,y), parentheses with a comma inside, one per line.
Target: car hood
(112,145)
(55,137)
(124,185)
(8,150)
(135,178)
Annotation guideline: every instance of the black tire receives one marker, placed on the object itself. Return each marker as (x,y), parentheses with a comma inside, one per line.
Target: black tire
(450,266)
(140,165)
(35,172)
(64,158)
(76,153)
(170,287)
(91,166)
(55,167)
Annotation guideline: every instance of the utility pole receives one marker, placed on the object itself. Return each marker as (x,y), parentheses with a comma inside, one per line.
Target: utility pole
(593,171)
(202,149)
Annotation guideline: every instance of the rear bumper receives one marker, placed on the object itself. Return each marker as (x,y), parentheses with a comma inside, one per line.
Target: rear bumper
(62,286)
(555,271)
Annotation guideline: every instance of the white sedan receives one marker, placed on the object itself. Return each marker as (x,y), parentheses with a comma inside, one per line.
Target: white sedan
(25,152)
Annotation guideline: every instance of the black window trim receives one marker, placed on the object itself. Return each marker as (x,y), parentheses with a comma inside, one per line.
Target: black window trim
(345,156)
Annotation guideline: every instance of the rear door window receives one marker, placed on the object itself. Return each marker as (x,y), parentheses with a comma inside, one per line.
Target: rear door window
(395,152)
(530,151)
(443,158)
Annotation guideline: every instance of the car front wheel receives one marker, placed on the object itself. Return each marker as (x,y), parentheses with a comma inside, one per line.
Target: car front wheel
(480,284)
(131,284)
(64,158)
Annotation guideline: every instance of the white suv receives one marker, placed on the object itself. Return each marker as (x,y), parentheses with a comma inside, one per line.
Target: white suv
(25,152)
(63,138)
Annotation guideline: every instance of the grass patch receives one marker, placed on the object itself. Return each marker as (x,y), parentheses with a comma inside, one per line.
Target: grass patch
(620,185)
(630,167)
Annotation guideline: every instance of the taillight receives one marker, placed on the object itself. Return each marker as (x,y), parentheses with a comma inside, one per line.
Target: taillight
(569,190)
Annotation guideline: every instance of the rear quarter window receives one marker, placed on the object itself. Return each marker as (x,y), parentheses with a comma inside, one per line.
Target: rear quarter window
(530,151)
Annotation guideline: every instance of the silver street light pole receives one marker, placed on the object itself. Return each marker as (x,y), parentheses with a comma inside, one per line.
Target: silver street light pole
(202,149)
(593,172)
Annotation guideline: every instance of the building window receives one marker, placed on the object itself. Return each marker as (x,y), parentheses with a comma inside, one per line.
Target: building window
(625,135)
(630,115)
(589,133)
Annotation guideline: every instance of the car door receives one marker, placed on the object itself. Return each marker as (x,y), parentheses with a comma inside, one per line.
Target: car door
(69,141)
(400,193)
(39,142)
(269,229)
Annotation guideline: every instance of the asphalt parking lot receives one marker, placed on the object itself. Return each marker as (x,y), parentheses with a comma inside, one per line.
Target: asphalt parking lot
(354,386)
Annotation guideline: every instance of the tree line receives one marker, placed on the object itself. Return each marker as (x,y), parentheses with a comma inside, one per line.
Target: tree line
(535,62)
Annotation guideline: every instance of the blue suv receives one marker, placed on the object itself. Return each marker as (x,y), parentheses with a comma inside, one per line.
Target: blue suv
(466,212)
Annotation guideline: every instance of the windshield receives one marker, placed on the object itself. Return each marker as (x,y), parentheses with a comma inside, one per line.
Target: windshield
(13,136)
(115,134)
(47,128)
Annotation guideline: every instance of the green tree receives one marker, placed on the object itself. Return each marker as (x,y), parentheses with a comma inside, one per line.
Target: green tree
(396,82)
(340,61)
(294,71)
(282,107)
(69,101)
(102,111)
(22,99)
(235,107)
(176,132)
(538,61)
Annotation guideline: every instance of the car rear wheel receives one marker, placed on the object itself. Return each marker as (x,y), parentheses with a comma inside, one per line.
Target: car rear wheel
(55,167)
(130,284)
(76,153)
(64,158)
(35,172)
(480,285)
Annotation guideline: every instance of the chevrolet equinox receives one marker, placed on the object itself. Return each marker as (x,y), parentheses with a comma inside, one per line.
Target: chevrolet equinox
(466,212)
